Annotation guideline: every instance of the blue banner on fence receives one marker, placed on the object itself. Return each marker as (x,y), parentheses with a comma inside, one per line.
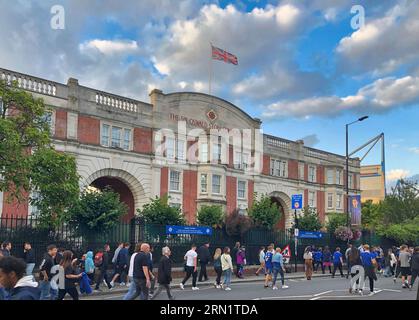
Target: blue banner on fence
(297,201)
(310,235)
(205,231)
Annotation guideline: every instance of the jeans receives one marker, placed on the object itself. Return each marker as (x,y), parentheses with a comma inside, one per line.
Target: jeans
(47,293)
(281,272)
(227,277)
(387,272)
(29,268)
(190,271)
(140,289)
(131,291)
(203,271)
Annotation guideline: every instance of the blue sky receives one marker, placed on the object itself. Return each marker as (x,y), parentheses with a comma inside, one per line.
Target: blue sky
(302,67)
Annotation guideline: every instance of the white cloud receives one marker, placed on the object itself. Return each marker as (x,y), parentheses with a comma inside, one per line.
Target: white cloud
(109,47)
(414,150)
(381,95)
(397,174)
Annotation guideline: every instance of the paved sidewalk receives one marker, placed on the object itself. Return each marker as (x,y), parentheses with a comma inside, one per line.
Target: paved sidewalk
(176,281)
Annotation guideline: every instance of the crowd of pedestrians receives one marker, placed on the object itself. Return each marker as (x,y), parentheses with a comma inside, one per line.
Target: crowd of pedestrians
(61,273)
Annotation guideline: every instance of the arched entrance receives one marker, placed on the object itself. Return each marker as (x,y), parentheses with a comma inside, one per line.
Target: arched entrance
(283,203)
(118,186)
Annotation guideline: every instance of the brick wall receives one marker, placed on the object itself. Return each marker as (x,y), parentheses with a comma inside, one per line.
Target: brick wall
(164,181)
(250,191)
(143,140)
(14,208)
(266,165)
(190,187)
(231,194)
(305,198)
(305,172)
(293,169)
(320,174)
(61,124)
(321,205)
(88,130)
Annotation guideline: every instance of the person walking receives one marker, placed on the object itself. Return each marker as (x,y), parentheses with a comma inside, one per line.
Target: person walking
(132,287)
(337,262)
(6,248)
(191,258)
(13,279)
(89,266)
(204,257)
(227,267)
(278,267)
(67,277)
(368,262)
(241,262)
(46,274)
(398,268)
(308,262)
(29,258)
(327,259)
(122,262)
(348,265)
(406,273)
(354,260)
(318,260)
(150,270)
(261,261)
(164,275)
(218,267)
(115,274)
(390,262)
(415,266)
(141,273)
(268,266)
(234,257)
(102,263)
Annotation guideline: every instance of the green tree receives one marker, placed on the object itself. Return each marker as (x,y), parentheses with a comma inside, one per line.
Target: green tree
(210,216)
(335,220)
(158,211)
(96,212)
(309,220)
(264,212)
(371,215)
(237,224)
(55,179)
(23,128)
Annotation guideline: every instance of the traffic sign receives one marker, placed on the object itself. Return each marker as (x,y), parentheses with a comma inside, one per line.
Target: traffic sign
(297,201)
(296,231)
(205,231)
(310,235)
(286,252)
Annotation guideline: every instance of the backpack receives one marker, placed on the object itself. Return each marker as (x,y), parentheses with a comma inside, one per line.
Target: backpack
(98,259)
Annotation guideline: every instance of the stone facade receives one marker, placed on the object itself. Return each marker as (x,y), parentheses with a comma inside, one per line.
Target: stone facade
(121,138)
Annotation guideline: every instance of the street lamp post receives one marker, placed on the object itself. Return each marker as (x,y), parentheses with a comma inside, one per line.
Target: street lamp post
(347,168)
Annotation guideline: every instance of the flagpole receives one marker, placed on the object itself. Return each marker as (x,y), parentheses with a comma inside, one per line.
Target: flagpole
(210,71)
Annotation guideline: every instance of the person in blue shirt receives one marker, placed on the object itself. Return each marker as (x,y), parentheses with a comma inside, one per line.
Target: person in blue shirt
(268,265)
(368,262)
(337,262)
(278,267)
(318,260)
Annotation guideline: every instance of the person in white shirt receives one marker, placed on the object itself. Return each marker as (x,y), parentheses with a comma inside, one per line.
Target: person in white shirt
(191,258)
(132,287)
(227,267)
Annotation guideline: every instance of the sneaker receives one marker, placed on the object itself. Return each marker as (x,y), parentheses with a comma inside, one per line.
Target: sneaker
(195,288)
(181,286)
(128,284)
(218,286)
(285,287)
(97,290)
(274,288)
(112,284)
(104,281)
(228,289)
(111,288)
(122,284)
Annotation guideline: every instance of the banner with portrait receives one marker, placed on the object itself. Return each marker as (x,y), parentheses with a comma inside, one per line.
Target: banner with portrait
(355,209)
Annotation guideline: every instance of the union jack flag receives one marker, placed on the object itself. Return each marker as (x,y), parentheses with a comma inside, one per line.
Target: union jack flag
(219,54)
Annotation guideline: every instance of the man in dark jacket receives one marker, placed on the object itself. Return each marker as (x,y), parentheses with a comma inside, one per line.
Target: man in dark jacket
(13,279)
(103,267)
(204,257)
(414,263)
(164,274)
(121,265)
(6,247)
(29,258)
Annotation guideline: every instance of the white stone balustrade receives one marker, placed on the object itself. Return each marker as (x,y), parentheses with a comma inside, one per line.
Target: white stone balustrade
(116,102)
(29,83)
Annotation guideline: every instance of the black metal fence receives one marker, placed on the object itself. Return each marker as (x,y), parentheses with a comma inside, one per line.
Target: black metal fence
(19,230)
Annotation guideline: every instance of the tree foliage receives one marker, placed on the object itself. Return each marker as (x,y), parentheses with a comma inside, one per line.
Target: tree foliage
(54,177)
(237,224)
(158,211)
(309,220)
(211,216)
(335,220)
(96,211)
(264,212)
(22,128)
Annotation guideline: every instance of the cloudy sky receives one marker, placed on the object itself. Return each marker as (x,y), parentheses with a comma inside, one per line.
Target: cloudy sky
(305,68)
